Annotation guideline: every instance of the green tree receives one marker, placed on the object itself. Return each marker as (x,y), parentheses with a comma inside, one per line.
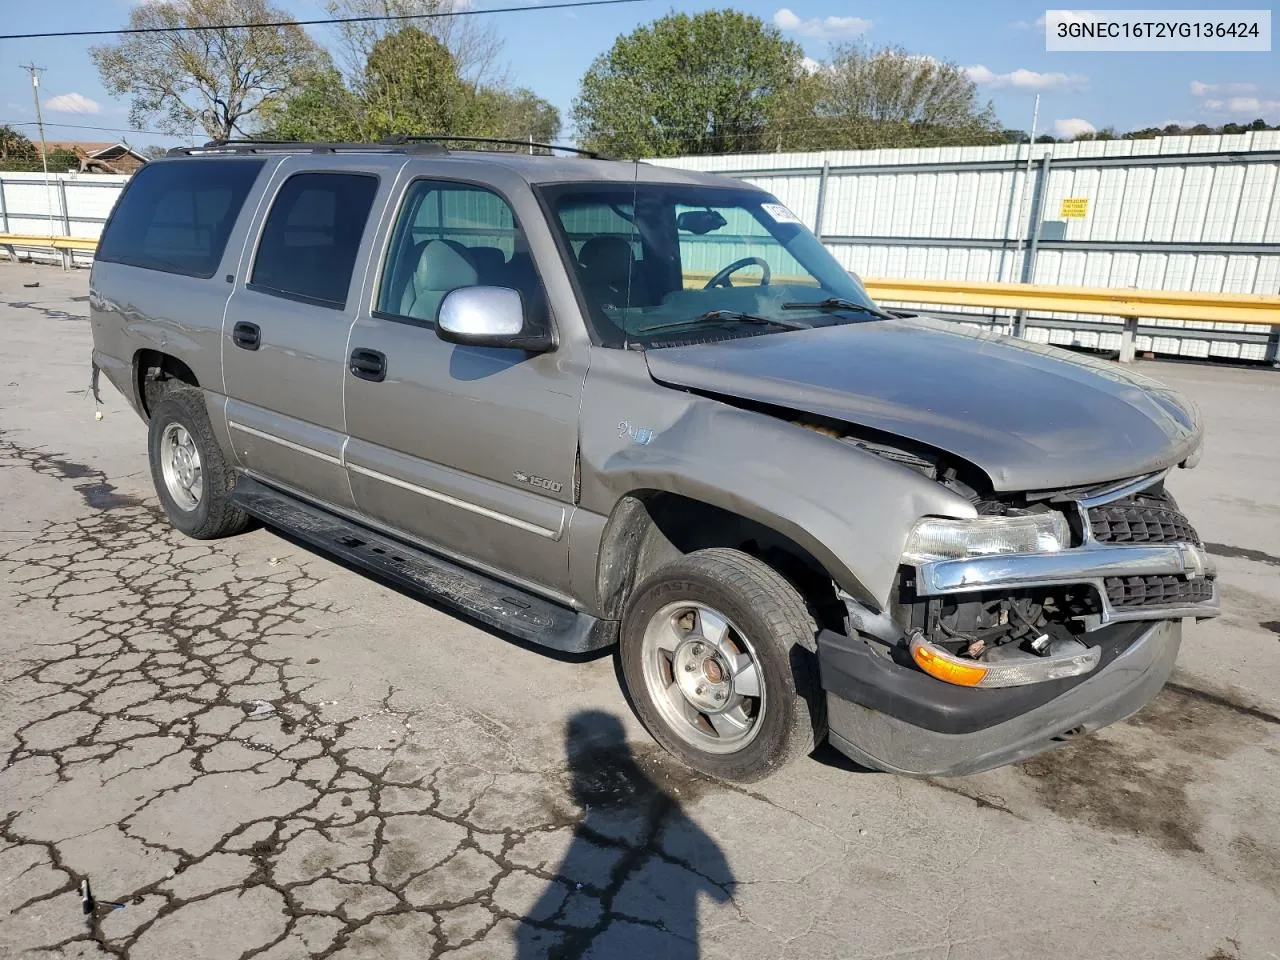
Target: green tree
(218,81)
(411,85)
(514,114)
(706,83)
(17,151)
(866,98)
(321,108)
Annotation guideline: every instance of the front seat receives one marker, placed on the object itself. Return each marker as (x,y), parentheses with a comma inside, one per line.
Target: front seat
(441,268)
(608,270)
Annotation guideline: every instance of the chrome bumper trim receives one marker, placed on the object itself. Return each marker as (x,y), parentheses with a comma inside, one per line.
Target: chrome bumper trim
(1079,565)
(1089,564)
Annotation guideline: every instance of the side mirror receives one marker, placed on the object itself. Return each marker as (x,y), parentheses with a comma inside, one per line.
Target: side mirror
(488,317)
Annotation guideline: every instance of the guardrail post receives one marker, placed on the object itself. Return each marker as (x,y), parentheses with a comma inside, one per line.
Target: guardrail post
(67,255)
(9,249)
(1128,336)
(1033,245)
(822,198)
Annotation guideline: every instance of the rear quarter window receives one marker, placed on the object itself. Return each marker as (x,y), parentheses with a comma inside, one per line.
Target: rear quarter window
(176,217)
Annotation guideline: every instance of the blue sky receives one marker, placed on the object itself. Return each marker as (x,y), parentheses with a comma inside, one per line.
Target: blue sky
(548,51)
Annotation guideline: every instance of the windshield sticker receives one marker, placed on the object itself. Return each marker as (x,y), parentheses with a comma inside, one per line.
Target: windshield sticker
(779,213)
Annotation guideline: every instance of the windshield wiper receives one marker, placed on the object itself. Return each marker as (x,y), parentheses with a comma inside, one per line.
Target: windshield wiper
(711,316)
(837,303)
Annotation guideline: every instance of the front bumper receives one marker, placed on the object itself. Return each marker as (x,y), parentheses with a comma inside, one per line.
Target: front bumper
(1091,564)
(891,716)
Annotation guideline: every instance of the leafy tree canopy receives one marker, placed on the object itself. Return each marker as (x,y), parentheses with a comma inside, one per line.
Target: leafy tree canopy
(215,81)
(687,84)
(410,84)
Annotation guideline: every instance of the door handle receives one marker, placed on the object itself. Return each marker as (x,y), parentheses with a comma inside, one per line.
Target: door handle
(246,335)
(368,364)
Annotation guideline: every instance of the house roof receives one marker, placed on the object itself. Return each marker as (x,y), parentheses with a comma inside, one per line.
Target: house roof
(90,147)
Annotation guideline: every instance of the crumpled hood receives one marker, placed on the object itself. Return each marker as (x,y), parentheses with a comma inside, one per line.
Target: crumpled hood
(1031,417)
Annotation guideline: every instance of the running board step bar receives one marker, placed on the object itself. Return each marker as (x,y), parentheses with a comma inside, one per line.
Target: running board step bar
(484,598)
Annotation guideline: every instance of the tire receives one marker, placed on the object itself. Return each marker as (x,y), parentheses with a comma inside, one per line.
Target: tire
(767,621)
(203,509)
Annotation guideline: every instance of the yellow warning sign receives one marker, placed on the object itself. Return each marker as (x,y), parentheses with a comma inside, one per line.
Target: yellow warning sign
(1075,208)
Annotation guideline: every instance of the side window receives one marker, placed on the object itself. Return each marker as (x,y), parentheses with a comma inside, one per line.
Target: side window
(311,237)
(451,235)
(175,216)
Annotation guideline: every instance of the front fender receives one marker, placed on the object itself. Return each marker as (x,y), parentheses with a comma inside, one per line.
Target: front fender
(849,508)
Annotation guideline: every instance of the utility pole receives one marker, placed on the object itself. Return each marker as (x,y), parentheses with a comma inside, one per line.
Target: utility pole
(44,147)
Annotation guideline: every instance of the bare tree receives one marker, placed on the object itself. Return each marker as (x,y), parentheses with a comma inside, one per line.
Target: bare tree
(210,80)
(472,41)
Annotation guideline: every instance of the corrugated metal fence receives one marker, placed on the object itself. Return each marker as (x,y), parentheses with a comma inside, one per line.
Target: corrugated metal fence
(1173,213)
(66,205)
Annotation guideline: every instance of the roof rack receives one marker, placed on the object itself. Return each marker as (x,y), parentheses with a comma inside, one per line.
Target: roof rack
(255,145)
(399,143)
(455,138)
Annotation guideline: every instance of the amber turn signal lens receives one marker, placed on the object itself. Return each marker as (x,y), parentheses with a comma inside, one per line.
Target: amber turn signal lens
(948,669)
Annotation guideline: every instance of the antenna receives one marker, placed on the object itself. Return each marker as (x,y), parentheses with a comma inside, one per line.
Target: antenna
(35,72)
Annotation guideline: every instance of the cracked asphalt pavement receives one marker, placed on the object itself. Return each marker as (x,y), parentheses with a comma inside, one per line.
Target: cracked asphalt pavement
(248,750)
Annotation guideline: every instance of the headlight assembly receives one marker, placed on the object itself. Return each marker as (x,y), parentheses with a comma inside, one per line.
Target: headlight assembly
(939,539)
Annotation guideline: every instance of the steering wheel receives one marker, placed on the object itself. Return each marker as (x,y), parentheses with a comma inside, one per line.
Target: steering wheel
(721,279)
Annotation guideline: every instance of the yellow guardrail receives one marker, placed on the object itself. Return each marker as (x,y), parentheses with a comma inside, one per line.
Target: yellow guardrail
(57,243)
(1113,301)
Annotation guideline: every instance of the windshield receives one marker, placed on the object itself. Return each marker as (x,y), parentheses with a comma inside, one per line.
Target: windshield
(663,263)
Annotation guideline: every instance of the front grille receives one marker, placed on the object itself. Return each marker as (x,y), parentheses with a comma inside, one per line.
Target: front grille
(1141,518)
(1157,591)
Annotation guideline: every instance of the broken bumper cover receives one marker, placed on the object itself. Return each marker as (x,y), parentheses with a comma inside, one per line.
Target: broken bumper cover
(890,716)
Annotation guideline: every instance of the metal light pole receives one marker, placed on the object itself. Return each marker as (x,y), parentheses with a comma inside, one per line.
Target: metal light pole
(44,148)
(1026,182)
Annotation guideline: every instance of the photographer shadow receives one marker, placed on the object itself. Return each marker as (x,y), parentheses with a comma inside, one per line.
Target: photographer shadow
(629,884)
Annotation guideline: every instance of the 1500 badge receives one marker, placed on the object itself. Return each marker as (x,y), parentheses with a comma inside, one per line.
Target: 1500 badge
(553,485)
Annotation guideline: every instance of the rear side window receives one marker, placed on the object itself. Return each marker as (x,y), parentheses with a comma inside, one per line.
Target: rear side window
(312,235)
(176,216)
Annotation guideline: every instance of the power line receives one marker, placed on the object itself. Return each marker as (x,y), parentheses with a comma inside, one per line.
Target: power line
(84,126)
(566,4)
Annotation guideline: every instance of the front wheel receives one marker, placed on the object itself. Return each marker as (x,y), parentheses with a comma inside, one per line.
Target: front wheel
(719,657)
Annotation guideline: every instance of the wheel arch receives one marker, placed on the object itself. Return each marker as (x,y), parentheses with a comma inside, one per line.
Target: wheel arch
(649,528)
(154,372)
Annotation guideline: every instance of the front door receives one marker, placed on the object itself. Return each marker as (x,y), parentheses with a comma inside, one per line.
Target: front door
(469,449)
(286,324)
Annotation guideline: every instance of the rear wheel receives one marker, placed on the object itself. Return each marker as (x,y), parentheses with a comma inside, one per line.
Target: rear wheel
(192,477)
(719,657)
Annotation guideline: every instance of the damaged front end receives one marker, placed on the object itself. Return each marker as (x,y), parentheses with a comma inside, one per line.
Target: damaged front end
(1046,616)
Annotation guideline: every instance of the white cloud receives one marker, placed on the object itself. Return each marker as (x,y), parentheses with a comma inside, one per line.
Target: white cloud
(1253,107)
(810,65)
(72,103)
(1037,23)
(1199,89)
(1023,79)
(1072,127)
(785,19)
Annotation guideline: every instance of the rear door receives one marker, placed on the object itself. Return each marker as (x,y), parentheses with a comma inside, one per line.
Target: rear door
(284,336)
(469,449)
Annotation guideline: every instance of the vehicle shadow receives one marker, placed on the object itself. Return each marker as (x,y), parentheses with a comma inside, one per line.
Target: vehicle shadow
(628,886)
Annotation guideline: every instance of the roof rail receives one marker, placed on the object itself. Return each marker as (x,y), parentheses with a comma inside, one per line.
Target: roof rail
(255,145)
(401,138)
